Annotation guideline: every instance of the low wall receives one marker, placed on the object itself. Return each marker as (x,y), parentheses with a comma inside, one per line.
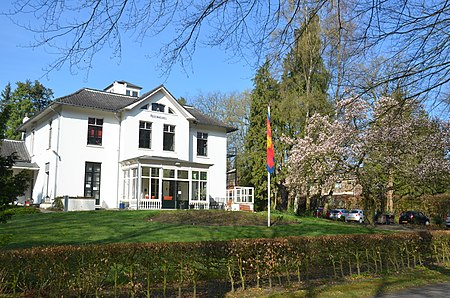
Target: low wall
(78,203)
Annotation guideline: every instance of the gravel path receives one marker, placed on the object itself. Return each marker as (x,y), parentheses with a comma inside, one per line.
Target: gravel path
(440,290)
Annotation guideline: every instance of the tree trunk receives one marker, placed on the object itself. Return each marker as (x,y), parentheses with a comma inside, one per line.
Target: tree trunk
(390,194)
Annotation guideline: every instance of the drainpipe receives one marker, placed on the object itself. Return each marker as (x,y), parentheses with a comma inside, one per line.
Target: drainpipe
(118,158)
(58,157)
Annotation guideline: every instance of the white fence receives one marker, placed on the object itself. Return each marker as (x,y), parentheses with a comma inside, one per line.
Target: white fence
(241,198)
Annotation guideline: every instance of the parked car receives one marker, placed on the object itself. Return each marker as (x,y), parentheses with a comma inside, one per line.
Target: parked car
(319,212)
(447,221)
(414,217)
(338,214)
(355,215)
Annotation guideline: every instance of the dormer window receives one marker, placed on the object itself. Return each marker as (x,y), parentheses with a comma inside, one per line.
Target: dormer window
(157,107)
(128,92)
(134,94)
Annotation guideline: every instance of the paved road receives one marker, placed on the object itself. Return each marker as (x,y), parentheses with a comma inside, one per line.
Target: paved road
(441,290)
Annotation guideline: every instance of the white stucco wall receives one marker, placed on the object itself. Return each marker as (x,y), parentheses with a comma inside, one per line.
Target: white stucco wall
(69,150)
(216,155)
(130,130)
(75,152)
(37,142)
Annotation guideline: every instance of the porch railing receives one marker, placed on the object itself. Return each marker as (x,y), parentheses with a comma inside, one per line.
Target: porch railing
(148,204)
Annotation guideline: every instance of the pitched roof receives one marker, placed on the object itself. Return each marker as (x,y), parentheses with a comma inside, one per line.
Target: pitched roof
(113,102)
(207,120)
(23,159)
(9,147)
(131,85)
(91,98)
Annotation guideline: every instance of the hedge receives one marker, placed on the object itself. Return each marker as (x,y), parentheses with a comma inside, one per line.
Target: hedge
(210,268)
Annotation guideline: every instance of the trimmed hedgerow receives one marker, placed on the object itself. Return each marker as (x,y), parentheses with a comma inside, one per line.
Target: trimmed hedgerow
(212,267)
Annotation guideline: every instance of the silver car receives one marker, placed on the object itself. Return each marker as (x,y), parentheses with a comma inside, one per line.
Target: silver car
(447,221)
(338,214)
(355,215)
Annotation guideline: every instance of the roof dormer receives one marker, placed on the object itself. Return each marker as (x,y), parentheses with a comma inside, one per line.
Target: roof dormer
(124,88)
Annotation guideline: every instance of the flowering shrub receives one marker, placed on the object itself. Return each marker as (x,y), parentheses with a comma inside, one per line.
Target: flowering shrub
(212,267)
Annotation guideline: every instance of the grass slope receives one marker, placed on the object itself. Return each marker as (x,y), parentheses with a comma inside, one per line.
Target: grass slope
(93,227)
(365,286)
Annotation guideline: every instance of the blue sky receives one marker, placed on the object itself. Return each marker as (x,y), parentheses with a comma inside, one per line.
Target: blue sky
(211,69)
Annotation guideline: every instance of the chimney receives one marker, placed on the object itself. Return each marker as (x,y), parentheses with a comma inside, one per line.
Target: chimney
(124,88)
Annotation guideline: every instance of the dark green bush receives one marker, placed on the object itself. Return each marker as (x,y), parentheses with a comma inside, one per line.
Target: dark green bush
(212,267)
(15,210)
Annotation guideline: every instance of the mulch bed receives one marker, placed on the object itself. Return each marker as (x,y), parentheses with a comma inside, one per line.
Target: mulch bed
(216,218)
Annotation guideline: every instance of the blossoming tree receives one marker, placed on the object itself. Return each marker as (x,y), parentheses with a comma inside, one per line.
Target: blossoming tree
(386,145)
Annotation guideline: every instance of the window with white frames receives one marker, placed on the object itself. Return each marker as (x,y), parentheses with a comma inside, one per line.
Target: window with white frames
(50,135)
(202,144)
(145,134)
(157,107)
(32,142)
(150,183)
(169,137)
(199,185)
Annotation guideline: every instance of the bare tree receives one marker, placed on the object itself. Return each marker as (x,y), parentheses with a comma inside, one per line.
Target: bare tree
(411,35)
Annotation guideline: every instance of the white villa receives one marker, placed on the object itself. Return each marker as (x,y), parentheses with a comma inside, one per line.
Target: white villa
(126,149)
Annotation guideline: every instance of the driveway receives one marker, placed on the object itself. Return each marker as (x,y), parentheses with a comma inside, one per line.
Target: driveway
(431,291)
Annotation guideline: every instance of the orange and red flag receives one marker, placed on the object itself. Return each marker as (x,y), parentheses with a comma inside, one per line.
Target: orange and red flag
(270,152)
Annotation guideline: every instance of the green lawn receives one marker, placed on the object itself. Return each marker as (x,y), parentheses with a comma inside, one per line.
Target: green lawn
(356,286)
(58,228)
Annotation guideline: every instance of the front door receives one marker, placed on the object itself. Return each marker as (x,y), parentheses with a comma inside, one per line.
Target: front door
(169,194)
(182,195)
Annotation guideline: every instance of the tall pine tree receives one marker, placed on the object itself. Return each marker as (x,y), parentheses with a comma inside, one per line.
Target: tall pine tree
(303,92)
(253,162)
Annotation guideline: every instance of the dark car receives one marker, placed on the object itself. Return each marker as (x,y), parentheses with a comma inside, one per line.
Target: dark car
(413,217)
(447,221)
(319,212)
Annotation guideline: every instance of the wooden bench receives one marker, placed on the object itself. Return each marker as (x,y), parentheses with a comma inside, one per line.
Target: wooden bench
(244,208)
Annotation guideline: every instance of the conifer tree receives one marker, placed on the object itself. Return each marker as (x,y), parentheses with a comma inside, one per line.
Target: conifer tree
(303,92)
(253,162)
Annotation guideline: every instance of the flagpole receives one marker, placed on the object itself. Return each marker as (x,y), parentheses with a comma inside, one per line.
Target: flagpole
(268,185)
(268,199)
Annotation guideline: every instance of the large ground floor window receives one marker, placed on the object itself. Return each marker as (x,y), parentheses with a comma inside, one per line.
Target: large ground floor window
(152,187)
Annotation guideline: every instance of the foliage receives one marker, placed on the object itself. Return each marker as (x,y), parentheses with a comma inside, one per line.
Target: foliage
(58,204)
(253,162)
(393,141)
(303,92)
(213,266)
(26,100)
(230,108)
(10,185)
(434,206)
(16,210)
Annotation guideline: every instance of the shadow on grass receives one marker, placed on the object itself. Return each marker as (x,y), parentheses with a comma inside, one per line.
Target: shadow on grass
(98,227)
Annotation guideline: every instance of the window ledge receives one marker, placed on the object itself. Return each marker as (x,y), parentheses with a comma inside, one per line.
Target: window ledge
(94,146)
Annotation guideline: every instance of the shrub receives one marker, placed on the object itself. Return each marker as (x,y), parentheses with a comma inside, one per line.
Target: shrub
(15,210)
(214,267)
